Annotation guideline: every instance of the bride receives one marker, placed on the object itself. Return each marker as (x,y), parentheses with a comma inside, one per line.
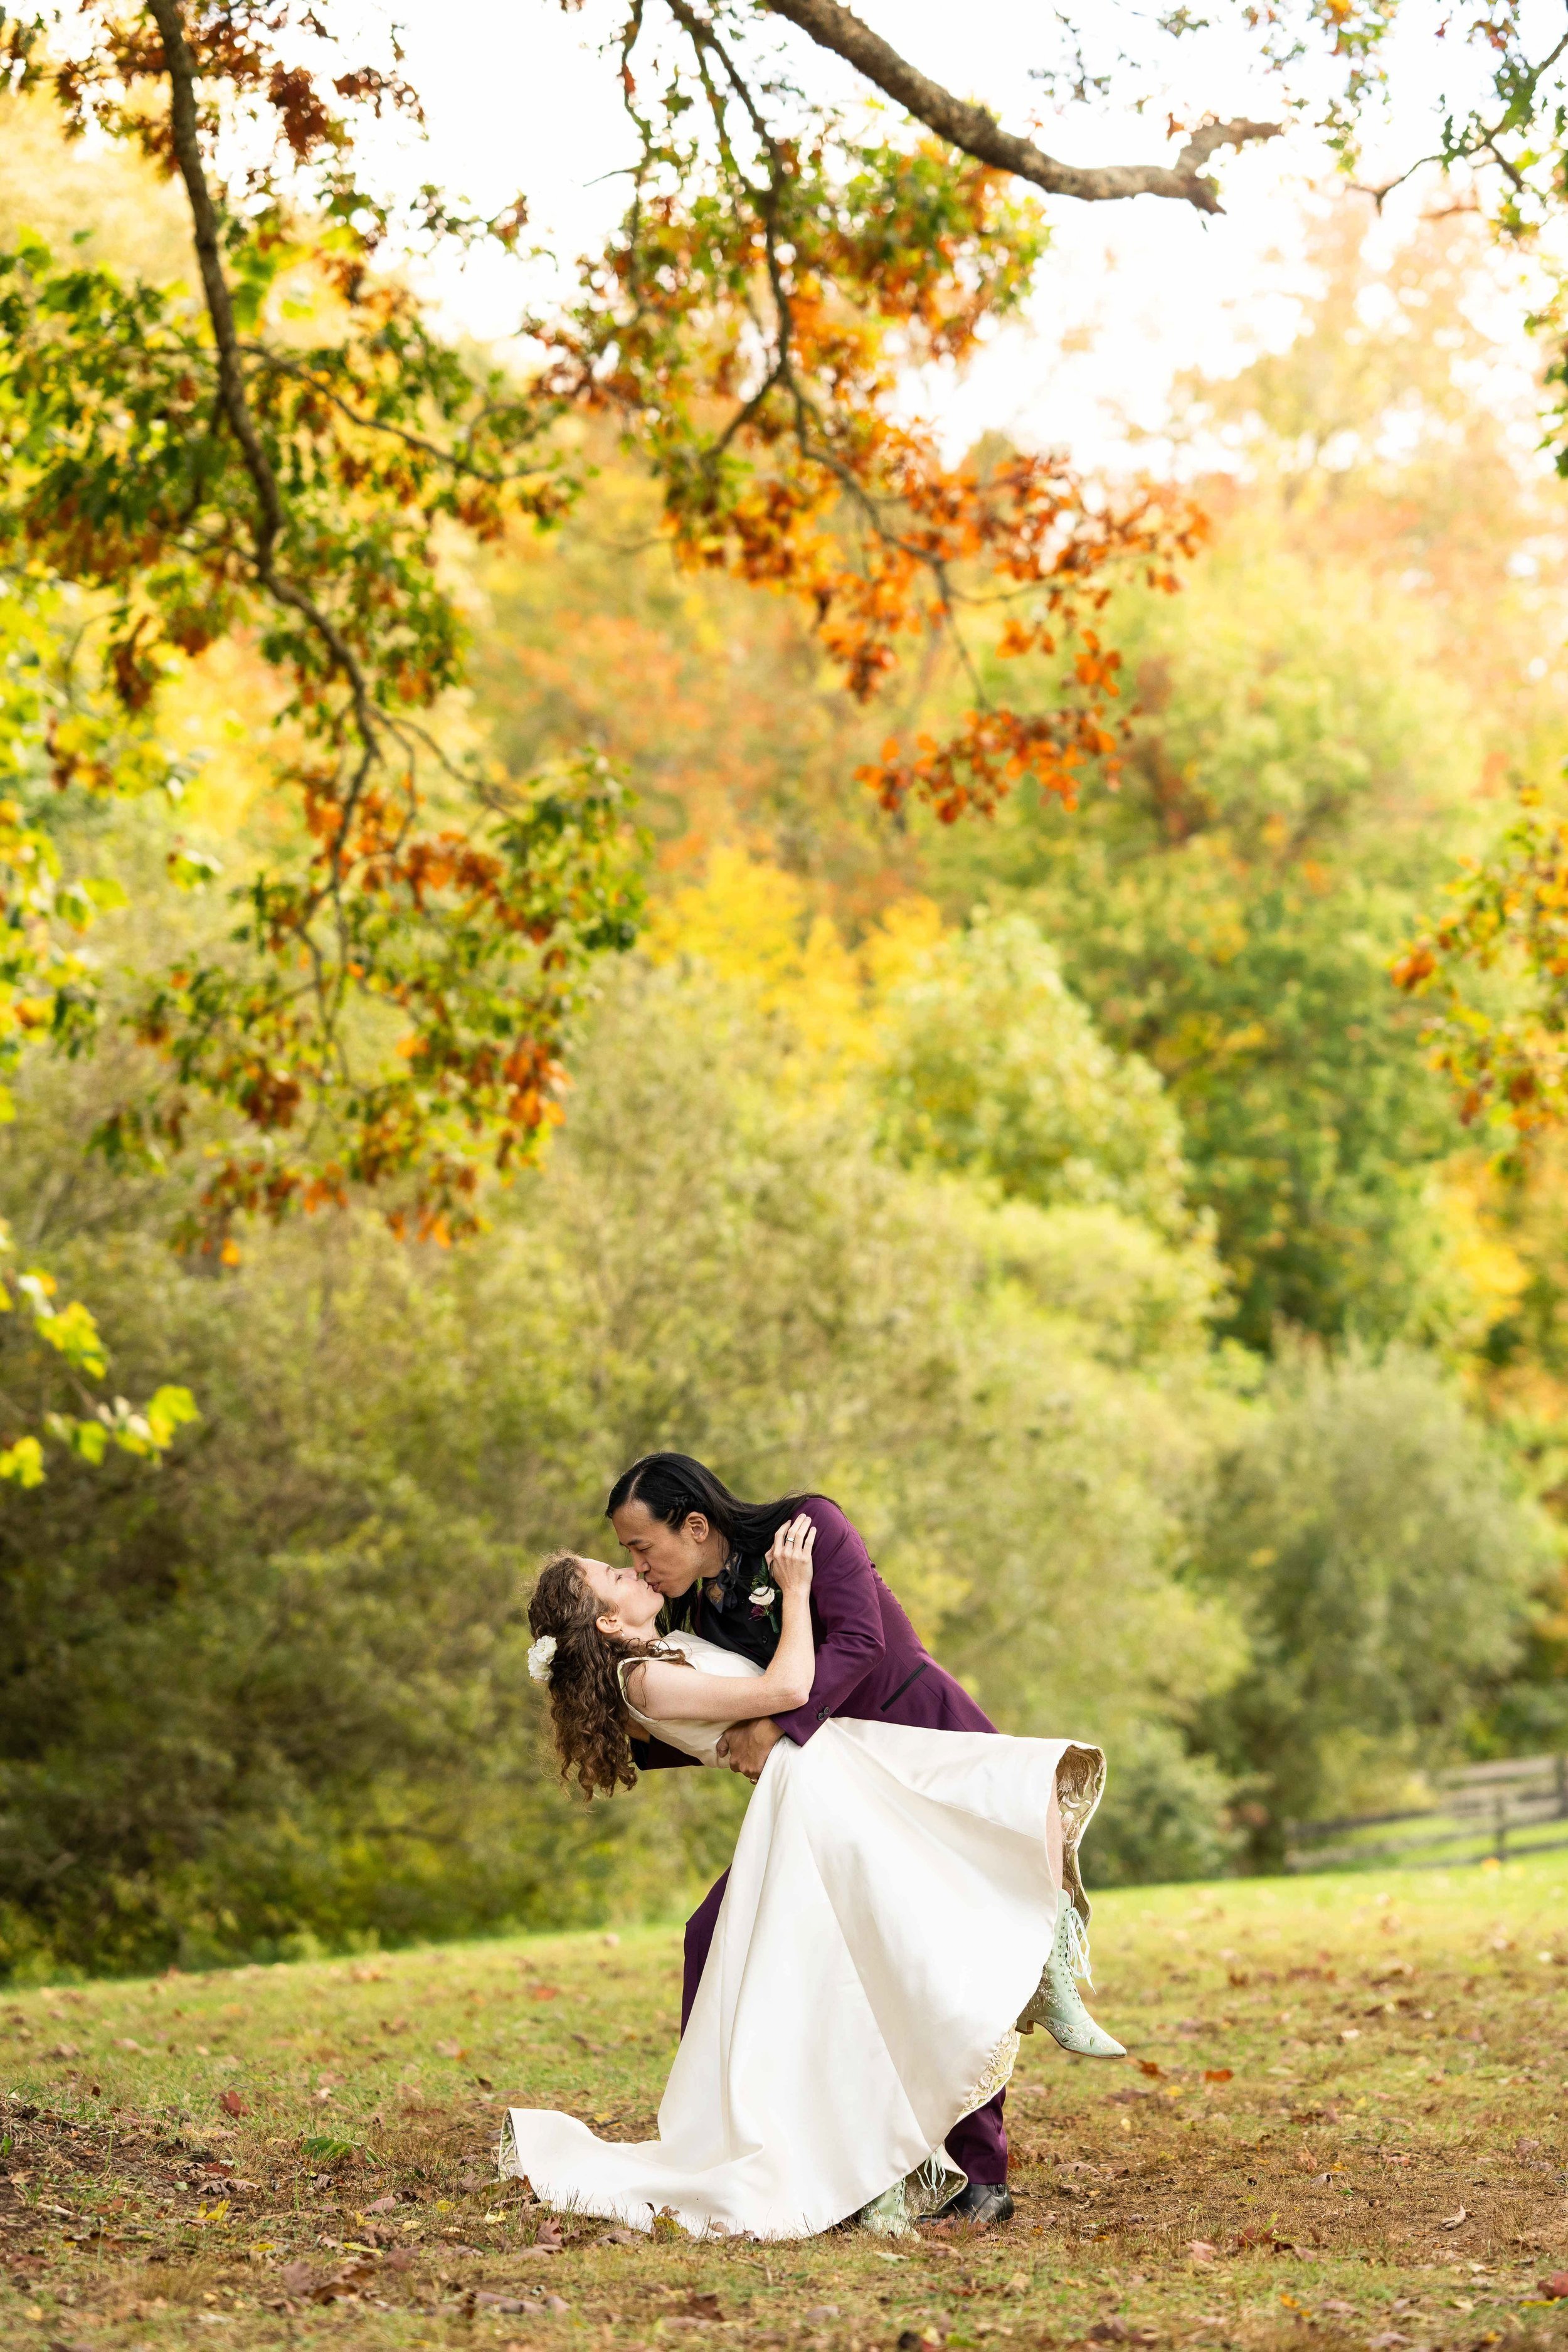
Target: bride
(902,1903)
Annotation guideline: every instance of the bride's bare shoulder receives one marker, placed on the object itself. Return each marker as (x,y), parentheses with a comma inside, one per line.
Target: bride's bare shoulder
(642,1677)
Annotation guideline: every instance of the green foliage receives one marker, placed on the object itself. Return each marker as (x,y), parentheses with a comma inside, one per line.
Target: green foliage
(1374,1542)
(991,1065)
(54,732)
(1296,771)
(326,1586)
(1166,1814)
(457,905)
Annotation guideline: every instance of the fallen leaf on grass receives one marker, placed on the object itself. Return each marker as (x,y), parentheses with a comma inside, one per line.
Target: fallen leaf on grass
(232,2104)
(1452,2220)
(621,2238)
(817,2310)
(1149,2067)
(345,2281)
(1218,2073)
(544,1992)
(381,2205)
(1201,2250)
(450,2049)
(1017,2284)
(1555,2288)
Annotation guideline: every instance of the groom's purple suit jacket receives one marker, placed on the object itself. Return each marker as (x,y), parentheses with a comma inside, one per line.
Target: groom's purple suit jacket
(870,1662)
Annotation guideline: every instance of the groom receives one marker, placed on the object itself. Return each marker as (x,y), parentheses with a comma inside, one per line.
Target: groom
(704,1550)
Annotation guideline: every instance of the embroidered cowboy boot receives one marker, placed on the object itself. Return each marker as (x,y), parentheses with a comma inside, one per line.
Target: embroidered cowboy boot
(1062,2012)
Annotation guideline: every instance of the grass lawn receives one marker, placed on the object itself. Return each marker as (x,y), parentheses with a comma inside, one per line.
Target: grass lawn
(1345,2111)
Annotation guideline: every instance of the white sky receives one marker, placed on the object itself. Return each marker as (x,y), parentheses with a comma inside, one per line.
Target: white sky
(518,98)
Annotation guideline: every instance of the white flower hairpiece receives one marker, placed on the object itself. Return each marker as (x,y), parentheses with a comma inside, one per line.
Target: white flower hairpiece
(539,1656)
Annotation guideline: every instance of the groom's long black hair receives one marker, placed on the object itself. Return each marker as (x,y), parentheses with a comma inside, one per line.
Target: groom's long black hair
(672,1486)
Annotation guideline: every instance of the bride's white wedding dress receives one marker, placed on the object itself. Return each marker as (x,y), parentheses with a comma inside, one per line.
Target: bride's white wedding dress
(889,1911)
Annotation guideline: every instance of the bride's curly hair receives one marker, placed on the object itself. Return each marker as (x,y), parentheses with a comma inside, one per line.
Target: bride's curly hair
(587,1709)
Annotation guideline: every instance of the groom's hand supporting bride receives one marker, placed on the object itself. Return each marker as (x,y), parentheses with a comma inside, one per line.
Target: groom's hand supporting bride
(746,1746)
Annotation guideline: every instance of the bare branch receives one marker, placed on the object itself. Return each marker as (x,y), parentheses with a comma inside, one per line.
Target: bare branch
(979,133)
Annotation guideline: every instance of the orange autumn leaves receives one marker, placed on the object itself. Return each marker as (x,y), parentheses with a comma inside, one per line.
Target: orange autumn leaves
(284,465)
(755,348)
(1503,1042)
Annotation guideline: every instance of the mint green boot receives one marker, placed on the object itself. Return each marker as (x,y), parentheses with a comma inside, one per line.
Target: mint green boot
(1062,2012)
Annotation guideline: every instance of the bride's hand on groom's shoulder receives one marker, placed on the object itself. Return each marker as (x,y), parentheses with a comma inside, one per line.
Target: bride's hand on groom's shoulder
(789,1555)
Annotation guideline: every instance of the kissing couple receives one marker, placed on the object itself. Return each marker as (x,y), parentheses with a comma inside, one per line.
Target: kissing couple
(903,1903)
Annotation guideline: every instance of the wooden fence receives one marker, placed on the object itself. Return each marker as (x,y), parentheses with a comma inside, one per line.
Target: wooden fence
(1486,1813)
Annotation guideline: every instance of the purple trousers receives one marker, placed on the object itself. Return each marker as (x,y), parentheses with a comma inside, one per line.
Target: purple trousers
(977,2144)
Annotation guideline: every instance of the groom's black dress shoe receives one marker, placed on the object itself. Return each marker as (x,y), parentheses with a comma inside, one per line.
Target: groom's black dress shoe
(981,2202)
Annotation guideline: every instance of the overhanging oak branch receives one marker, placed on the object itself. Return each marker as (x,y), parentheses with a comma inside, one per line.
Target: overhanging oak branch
(978,132)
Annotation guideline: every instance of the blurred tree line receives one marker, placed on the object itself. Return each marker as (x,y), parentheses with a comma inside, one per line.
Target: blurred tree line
(1069,1196)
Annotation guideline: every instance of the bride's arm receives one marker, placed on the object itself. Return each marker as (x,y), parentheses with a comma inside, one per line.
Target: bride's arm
(669,1693)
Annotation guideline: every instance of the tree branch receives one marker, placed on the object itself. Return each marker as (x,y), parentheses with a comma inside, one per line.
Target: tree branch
(181,68)
(978,132)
